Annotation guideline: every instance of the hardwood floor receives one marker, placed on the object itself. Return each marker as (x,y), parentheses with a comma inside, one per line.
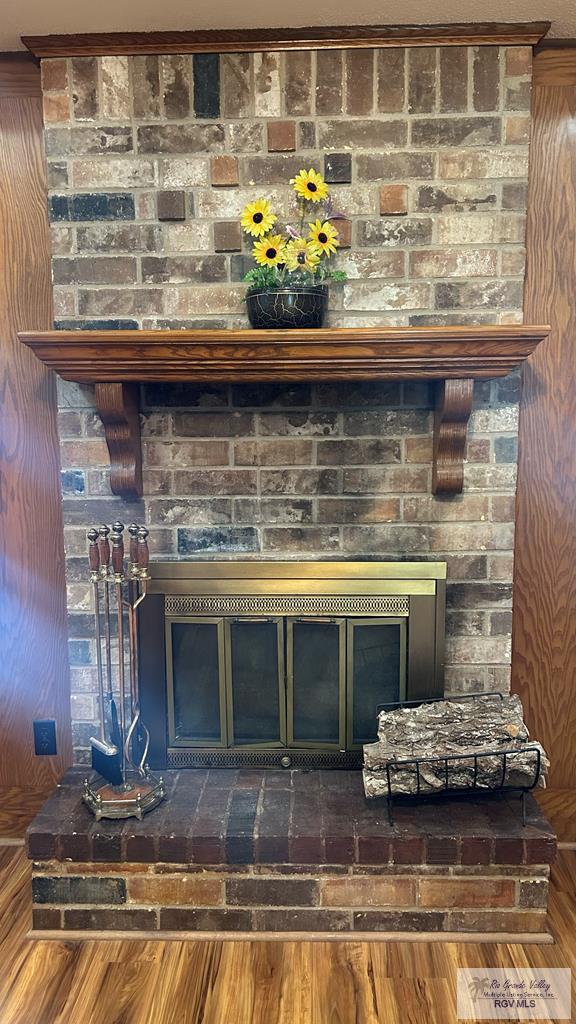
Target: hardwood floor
(141,982)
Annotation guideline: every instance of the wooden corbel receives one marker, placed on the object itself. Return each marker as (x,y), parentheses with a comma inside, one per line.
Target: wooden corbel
(119,408)
(453,408)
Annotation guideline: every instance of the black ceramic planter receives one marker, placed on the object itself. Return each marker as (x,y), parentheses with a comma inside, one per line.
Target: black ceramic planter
(297,306)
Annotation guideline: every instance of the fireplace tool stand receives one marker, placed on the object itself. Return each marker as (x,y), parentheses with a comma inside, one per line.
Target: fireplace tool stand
(122,785)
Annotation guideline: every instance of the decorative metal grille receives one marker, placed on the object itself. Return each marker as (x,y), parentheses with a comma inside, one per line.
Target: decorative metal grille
(193,604)
(194,758)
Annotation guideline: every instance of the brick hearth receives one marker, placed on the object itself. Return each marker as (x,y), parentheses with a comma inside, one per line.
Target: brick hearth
(270,851)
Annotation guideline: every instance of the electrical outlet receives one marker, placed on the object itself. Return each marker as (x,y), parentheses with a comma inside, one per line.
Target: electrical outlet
(45,736)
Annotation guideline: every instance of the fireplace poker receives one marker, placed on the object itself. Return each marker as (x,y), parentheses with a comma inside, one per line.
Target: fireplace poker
(111,713)
(118,577)
(105,755)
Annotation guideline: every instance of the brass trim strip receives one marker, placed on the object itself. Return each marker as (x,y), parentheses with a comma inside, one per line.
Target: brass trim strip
(294,587)
(186,604)
(270,570)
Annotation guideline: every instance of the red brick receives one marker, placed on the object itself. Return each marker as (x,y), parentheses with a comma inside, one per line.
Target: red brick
(408,850)
(368,892)
(224,170)
(54,75)
(496,921)
(180,890)
(344,229)
(467,892)
(56,107)
(227,236)
(373,850)
(359,65)
(281,136)
(541,850)
(271,892)
(517,130)
(329,82)
(509,851)
(518,61)
(298,78)
(390,72)
(340,850)
(475,850)
(442,851)
(393,199)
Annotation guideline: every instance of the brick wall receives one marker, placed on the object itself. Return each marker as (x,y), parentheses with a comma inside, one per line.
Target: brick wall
(150,163)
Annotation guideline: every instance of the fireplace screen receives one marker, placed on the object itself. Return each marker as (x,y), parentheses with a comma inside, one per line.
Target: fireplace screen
(239,666)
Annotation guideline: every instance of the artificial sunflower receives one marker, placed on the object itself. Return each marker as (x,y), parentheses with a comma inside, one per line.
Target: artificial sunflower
(257,218)
(301,255)
(269,252)
(323,237)
(310,185)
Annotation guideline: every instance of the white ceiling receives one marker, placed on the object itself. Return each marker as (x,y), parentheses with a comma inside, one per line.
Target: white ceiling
(36,17)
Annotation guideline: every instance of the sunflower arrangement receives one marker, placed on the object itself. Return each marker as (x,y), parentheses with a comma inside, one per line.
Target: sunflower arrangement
(300,254)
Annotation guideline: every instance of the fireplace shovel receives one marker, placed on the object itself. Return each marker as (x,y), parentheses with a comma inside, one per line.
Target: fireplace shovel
(106,757)
(137,737)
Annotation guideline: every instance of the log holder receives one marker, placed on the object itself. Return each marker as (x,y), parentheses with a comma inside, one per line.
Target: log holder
(416,763)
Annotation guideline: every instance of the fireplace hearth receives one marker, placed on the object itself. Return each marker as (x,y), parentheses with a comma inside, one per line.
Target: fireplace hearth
(283,664)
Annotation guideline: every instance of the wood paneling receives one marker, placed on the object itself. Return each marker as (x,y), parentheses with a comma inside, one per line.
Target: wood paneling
(19,75)
(154,982)
(555,66)
(18,806)
(34,679)
(559,805)
(239,40)
(544,627)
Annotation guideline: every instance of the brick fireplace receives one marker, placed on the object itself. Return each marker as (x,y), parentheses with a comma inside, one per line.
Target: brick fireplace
(150,162)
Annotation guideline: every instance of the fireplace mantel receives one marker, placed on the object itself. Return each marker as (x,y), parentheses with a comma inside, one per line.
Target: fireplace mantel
(117,362)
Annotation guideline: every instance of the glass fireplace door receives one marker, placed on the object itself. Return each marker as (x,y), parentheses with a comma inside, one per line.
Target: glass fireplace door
(316,676)
(197,684)
(376,655)
(255,685)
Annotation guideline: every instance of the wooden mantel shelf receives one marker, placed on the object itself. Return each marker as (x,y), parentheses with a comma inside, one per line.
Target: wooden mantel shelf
(118,361)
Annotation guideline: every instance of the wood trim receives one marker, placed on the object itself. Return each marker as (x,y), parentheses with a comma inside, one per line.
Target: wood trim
(19,76)
(118,405)
(453,410)
(362,353)
(241,40)
(555,66)
(118,361)
(86,935)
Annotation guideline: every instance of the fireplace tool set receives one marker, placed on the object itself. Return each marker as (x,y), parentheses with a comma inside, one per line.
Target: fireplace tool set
(123,786)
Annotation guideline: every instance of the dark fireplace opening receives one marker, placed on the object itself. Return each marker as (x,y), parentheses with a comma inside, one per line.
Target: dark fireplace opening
(275,663)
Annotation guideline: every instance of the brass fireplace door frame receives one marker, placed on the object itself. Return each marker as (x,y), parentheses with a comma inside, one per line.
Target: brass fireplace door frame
(352,592)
